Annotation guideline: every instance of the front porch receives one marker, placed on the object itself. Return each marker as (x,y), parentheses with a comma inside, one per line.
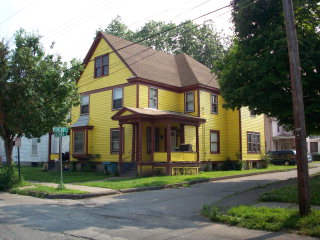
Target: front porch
(161,140)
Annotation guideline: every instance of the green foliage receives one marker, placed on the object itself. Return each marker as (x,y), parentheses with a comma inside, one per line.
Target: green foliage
(255,72)
(37,90)
(8,178)
(265,158)
(42,191)
(203,42)
(316,157)
(232,165)
(290,193)
(264,218)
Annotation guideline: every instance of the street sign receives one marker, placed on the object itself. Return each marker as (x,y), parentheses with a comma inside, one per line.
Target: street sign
(17,142)
(60,131)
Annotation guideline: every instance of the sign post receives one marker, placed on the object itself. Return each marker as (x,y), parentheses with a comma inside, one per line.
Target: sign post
(17,143)
(60,132)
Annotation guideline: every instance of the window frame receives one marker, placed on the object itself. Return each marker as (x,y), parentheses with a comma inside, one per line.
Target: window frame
(252,113)
(156,140)
(103,66)
(122,95)
(116,129)
(185,102)
(217,142)
(81,105)
(253,135)
(149,97)
(36,144)
(84,141)
(216,103)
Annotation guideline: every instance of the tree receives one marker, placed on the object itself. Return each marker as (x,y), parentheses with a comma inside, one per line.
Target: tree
(36,89)
(202,42)
(255,72)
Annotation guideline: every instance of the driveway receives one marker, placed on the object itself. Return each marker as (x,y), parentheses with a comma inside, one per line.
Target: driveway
(162,214)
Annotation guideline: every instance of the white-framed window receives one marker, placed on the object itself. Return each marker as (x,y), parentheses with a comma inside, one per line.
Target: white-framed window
(117,98)
(84,104)
(34,146)
(153,98)
(189,102)
(214,103)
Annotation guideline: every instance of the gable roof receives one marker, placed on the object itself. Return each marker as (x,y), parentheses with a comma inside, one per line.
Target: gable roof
(146,63)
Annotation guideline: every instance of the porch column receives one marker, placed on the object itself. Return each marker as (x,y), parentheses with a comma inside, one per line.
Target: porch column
(136,126)
(120,142)
(133,149)
(168,140)
(140,142)
(181,133)
(197,142)
(152,141)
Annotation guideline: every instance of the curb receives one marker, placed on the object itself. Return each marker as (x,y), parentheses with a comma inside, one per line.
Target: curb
(141,189)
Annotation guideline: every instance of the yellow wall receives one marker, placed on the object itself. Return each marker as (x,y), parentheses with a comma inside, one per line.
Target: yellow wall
(251,124)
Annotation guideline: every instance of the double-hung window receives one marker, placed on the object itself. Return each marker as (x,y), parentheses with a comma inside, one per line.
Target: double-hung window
(115,140)
(215,141)
(189,102)
(153,98)
(78,142)
(253,139)
(84,104)
(101,66)
(214,103)
(117,97)
(34,147)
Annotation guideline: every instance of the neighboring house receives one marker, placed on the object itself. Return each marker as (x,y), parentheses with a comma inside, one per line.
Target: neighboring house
(139,106)
(279,138)
(34,151)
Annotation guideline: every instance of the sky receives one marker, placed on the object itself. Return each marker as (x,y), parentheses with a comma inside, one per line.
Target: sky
(72,24)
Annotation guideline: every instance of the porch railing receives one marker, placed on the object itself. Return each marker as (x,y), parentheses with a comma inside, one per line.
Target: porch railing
(176,156)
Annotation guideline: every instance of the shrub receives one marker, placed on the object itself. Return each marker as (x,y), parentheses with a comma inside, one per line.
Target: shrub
(8,178)
(265,158)
(316,157)
(232,165)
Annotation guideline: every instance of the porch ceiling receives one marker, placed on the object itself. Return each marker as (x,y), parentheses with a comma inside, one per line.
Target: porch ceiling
(147,114)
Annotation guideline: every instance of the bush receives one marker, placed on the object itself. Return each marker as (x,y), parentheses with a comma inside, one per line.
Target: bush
(265,159)
(231,165)
(8,178)
(316,157)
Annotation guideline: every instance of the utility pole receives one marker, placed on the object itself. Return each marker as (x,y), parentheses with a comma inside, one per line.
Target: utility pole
(298,109)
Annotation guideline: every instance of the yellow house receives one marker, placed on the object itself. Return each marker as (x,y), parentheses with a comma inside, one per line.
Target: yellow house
(156,113)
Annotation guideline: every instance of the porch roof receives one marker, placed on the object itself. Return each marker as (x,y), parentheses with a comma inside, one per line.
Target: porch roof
(132,114)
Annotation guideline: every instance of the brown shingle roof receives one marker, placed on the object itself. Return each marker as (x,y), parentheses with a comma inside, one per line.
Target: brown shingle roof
(175,70)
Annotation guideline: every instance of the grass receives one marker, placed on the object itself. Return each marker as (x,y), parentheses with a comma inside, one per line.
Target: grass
(264,218)
(290,193)
(41,191)
(36,174)
(164,180)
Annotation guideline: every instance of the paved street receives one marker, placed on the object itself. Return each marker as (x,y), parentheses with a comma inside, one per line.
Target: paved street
(162,214)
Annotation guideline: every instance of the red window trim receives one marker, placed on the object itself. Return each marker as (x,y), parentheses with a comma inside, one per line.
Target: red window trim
(251,152)
(111,129)
(102,66)
(185,102)
(218,142)
(122,101)
(156,96)
(212,112)
(85,141)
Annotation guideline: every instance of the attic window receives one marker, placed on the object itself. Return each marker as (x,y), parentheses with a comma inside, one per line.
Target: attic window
(101,66)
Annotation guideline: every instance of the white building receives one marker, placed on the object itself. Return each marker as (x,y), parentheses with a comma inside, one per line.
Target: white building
(32,151)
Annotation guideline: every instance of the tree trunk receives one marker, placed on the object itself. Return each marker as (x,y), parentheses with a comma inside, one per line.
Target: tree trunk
(8,146)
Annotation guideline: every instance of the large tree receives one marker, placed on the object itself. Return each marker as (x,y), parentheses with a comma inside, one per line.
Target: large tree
(256,73)
(36,89)
(202,42)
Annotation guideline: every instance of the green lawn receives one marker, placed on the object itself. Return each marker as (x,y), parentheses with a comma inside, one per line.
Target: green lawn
(163,180)
(36,174)
(40,191)
(290,193)
(264,218)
